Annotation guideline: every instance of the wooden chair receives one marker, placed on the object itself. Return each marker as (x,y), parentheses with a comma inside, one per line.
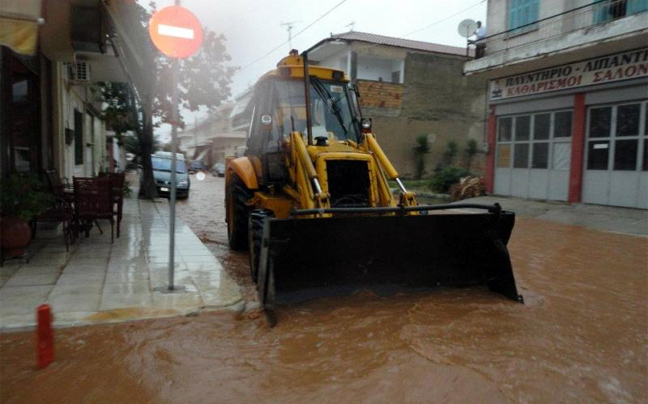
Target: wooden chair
(57,187)
(118,180)
(60,212)
(93,201)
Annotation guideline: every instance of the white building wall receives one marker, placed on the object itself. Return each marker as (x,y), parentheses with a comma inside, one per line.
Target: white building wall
(338,61)
(66,98)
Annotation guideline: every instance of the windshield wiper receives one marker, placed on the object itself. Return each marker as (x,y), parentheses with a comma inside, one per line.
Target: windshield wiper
(324,93)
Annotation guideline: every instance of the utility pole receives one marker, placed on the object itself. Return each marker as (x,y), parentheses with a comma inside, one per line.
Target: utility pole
(289,27)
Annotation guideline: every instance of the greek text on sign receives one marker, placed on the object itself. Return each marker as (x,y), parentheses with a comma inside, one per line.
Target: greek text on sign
(606,69)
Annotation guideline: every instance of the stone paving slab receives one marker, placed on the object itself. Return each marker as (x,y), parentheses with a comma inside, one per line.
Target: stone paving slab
(99,282)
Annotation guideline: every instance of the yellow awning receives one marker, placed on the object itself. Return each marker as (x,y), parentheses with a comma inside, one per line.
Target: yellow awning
(19,25)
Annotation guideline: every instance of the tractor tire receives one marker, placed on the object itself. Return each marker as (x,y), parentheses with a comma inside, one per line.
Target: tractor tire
(255,235)
(236,197)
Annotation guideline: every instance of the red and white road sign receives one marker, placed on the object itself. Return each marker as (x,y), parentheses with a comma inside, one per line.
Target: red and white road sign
(176,32)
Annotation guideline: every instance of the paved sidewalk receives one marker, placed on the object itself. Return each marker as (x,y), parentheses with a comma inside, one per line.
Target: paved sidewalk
(99,282)
(604,218)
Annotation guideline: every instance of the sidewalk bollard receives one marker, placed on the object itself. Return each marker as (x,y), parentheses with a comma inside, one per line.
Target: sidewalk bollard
(44,336)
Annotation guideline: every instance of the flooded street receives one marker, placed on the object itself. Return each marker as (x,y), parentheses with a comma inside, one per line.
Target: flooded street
(582,336)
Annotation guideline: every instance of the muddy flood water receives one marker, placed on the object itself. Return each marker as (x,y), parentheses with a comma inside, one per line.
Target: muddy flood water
(581,337)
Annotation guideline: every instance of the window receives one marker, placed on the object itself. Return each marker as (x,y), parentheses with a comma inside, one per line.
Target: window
(614,139)
(628,120)
(78,137)
(522,13)
(505,131)
(522,129)
(540,155)
(541,127)
(610,10)
(521,159)
(563,124)
(504,156)
(597,153)
(522,137)
(625,154)
(528,141)
(600,122)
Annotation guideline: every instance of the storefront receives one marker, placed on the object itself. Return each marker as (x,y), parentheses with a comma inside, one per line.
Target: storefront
(575,133)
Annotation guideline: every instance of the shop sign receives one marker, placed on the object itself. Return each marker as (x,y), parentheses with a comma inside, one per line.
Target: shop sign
(602,70)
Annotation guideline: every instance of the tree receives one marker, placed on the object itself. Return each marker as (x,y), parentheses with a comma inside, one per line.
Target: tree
(471,151)
(450,153)
(204,82)
(420,151)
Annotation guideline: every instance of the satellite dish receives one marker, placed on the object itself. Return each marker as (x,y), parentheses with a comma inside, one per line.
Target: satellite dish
(467,27)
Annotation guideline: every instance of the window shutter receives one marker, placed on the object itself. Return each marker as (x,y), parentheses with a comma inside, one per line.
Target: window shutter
(523,12)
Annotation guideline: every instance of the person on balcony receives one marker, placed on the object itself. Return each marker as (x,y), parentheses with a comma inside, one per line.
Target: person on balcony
(480,46)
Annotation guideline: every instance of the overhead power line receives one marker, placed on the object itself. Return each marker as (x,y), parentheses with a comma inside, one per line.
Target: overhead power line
(445,19)
(294,36)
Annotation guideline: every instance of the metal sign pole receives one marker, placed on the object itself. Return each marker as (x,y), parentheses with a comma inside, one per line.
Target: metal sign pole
(174,149)
(177,33)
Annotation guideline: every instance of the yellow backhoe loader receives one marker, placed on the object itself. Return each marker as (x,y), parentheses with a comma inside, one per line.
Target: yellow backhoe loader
(311,200)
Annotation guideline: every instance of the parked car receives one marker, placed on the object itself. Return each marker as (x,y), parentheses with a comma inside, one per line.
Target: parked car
(197,165)
(218,170)
(162,173)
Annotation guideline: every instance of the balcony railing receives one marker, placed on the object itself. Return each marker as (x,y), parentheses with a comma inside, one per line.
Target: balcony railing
(597,13)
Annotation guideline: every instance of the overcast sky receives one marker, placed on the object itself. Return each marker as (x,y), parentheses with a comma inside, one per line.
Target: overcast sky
(253,27)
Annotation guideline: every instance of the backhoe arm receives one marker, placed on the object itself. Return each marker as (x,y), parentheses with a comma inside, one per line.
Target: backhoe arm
(320,199)
(406,198)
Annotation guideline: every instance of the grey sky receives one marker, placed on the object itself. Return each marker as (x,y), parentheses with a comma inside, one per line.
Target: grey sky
(253,27)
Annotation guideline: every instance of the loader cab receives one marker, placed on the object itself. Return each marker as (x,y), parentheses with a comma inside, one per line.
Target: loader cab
(279,108)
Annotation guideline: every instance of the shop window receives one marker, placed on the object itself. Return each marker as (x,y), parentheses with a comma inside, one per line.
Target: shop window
(522,128)
(625,155)
(504,130)
(540,155)
(521,158)
(628,120)
(600,121)
(541,126)
(504,156)
(563,124)
(597,155)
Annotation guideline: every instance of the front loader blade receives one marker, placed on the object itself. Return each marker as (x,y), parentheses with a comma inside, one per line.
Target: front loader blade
(307,258)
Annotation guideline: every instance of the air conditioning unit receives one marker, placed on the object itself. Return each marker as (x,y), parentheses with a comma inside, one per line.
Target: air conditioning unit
(81,72)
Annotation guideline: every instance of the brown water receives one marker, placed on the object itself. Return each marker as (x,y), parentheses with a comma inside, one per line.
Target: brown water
(582,336)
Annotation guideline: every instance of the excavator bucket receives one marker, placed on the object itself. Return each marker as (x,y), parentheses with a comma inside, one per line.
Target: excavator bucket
(305,258)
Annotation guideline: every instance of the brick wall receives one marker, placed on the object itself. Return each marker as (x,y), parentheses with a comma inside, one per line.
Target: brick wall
(378,94)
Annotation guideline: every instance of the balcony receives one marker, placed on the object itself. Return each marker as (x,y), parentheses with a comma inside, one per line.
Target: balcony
(610,26)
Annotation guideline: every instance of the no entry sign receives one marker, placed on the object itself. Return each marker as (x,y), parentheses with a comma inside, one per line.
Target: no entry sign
(176,32)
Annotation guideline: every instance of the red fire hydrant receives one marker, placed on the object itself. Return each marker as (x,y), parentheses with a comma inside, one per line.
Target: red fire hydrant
(44,336)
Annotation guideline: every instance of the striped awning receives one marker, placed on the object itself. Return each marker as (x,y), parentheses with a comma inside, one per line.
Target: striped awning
(19,25)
